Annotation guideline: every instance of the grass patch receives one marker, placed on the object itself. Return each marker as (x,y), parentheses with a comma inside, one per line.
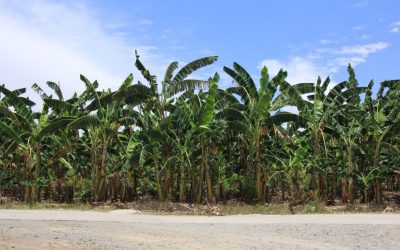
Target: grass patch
(49,205)
(151,206)
(243,208)
(312,207)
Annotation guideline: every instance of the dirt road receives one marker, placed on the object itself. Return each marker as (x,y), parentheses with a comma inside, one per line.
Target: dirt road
(127,229)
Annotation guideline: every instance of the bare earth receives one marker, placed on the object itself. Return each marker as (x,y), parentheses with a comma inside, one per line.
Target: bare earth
(128,229)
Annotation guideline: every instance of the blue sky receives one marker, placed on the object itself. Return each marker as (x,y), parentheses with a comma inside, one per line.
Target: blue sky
(57,40)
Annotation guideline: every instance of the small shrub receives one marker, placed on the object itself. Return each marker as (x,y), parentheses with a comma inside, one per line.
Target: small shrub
(84,190)
(249,189)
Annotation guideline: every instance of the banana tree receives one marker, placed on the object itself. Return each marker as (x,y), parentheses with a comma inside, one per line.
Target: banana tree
(294,169)
(102,127)
(260,115)
(161,104)
(350,135)
(318,105)
(183,139)
(382,127)
(171,84)
(23,127)
(203,131)
(367,180)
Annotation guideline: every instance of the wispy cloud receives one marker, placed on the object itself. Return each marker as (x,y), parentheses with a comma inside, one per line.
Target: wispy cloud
(325,41)
(44,40)
(322,62)
(207,52)
(395,27)
(299,69)
(359,27)
(363,50)
(365,37)
(356,54)
(360,4)
(145,22)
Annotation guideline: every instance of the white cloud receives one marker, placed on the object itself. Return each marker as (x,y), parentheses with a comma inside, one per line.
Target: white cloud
(145,22)
(359,27)
(43,40)
(365,37)
(363,50)
(356,54)
(273,65)
(207,52)
(322,62)
(354,61)
(325,41)
(395,27)
(299,69)
(360,4)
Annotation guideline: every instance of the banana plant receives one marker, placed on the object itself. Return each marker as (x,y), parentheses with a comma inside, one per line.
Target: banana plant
(259,117)
(367,180)
(203,130)
(318,104)
(350,134)
(158,108)
(294,170)
(383,125)
(23,127)
(102,127)
(171,84)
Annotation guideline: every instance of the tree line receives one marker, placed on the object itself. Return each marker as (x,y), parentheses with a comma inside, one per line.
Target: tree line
(187,140)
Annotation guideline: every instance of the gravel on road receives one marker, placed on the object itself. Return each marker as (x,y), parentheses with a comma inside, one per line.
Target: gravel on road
(128,229)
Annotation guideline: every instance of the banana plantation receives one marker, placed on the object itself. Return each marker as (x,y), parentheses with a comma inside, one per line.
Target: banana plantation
(175,138)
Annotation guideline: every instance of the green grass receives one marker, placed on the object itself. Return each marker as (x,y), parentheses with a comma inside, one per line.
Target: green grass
(48,205)
(232,208)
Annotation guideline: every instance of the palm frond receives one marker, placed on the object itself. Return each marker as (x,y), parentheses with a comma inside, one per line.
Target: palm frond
(56,87)
(192,67)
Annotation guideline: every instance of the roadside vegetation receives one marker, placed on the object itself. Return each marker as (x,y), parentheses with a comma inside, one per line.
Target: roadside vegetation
(178,139)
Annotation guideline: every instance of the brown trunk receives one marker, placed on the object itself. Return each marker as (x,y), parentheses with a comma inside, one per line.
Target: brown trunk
(168,182)
(378,192)
(200,185)
(207,174)
(35,189)
(317,177)
(134,188)
(95,171)
(259,176)
(28,179)
(159,185)
(114,186)
(266,194)
(292,191)
(344,195)
(334,183)
(321,186)
(193,186)
(103,174)
(351,188)
(377,185)
(182,185)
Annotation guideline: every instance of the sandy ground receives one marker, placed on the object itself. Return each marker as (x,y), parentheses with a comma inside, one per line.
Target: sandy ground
(128,229)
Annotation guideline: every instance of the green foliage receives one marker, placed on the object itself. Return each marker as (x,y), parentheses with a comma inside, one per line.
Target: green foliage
(187,140)
(249,190)
(84,192)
